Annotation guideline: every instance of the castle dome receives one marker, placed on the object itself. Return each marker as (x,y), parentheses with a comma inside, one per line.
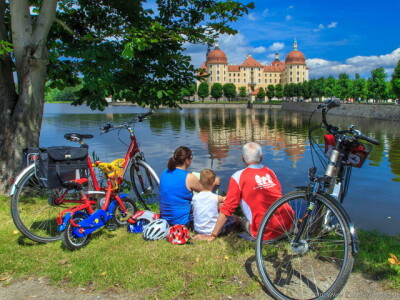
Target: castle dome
(217,56)
(295,57)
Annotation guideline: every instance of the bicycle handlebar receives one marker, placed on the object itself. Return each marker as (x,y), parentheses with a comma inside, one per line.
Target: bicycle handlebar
(367,138)
(139,118)
(332,103)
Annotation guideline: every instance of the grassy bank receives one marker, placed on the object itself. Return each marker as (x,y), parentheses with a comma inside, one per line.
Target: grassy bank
(122,261)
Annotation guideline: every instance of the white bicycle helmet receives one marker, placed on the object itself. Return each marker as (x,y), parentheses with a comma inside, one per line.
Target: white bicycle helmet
(147,215)
(156,230)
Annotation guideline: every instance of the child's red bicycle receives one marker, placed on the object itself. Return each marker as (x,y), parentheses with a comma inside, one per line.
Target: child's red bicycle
(34,208)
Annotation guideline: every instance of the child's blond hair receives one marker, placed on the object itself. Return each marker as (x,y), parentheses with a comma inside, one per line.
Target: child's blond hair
(207,178)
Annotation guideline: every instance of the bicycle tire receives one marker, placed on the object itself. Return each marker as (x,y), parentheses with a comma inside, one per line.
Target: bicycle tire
(147,187)
(121,219)
(319,266)
(71,242)
(34,209)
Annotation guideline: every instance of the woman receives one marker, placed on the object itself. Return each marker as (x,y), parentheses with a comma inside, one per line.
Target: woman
(176,188)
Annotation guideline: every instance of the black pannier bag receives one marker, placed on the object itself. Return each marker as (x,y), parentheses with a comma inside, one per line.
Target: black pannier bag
(60,164)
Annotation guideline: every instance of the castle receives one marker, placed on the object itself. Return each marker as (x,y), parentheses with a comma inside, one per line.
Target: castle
(252,74)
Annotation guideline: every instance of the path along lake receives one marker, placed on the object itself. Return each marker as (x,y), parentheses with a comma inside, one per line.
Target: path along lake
(216,136)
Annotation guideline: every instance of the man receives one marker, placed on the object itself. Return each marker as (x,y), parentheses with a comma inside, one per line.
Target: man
(255,189)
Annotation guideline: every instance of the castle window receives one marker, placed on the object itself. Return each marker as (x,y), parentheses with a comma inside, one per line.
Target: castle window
(217,78)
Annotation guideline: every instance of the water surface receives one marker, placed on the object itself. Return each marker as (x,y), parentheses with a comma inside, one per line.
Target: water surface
(217,135)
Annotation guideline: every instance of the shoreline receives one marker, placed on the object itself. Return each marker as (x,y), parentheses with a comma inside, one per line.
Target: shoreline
(369,111)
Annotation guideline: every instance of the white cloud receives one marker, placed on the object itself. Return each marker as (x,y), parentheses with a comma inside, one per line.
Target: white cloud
(289,17)
(265,12)
(252,16)
(276,46)
(260,49)
(357,64)
(322,26)
(332,25)
(291,7)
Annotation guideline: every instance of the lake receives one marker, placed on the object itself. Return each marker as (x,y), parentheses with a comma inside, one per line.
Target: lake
(216,136)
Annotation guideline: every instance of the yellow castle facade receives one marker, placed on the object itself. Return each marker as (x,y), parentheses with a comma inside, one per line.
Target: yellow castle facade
(252,74)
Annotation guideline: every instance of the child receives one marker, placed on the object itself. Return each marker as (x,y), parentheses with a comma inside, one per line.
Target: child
(206,206)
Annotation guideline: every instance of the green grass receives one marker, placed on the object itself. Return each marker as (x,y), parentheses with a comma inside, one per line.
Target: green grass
(122,261)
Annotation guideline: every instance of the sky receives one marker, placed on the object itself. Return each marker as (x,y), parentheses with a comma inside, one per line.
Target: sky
(336,37)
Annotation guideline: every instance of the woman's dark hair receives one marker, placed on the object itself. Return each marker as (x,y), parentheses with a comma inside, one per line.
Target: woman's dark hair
(181,154)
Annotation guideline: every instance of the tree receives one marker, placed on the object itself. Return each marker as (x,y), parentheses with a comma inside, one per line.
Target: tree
(359,90)
(330,89)
(279,91)
(377,84)
(229,90)
(396,81)
(305,91)
(216,91)
(203,90)
(62,41)
(270,92)
(344,86)
(261,94)
(242,92)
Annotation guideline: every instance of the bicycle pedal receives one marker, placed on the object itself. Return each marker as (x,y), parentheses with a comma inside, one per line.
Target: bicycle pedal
(111,227)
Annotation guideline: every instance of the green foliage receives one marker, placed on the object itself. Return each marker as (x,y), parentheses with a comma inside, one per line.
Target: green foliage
(203,90)
(270,92)
(5,47)
(229,90)
(359,90)
(242,91)
(344,86)
(137,55)
(261,94)
(279,91)
(216,91)
(330,88)
(64,95)
(377,85)
(396,81)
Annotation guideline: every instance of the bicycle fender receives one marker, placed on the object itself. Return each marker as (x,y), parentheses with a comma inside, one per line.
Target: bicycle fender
(90,224)
(354,240)
(15,185)
(66,219)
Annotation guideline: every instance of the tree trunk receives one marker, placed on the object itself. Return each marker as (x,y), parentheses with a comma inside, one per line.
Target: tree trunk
(22,128)
(22,112)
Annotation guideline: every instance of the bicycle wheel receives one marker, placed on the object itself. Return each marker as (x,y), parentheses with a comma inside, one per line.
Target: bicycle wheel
(120,218)
(34,208)
(319,265)
(70,241)
(145,184)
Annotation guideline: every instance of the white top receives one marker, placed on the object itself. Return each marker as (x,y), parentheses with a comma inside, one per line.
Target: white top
(205,212)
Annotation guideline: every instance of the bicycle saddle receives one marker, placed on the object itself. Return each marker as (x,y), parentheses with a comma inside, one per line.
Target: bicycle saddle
(76,137)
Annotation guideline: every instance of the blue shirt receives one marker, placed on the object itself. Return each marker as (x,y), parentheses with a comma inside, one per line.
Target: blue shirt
(175,203)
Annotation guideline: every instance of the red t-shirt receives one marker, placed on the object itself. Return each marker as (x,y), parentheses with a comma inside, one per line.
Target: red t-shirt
(256,188)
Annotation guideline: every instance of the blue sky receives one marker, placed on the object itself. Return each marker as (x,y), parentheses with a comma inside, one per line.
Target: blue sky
(350,36)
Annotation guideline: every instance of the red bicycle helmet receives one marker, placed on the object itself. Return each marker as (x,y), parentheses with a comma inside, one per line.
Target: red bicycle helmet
(178,234)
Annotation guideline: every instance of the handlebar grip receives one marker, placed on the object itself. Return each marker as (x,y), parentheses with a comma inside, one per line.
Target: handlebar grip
(106,128)
(141,117)
(368,139)
(333,103)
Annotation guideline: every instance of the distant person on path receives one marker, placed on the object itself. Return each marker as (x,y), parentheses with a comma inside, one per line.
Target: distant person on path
(255,189)
(176,189)
(206,206)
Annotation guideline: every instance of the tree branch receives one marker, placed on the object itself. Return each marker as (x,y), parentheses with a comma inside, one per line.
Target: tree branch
(85,39)
(45,20)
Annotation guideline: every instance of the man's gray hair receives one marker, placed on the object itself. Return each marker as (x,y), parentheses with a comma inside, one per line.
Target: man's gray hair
(252,153)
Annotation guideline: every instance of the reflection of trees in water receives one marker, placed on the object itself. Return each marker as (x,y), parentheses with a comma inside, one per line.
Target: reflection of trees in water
(284,131)
(394,157)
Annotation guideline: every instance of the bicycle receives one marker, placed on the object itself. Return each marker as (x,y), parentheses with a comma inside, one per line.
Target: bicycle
(34,208)
(79,222)
(313,255)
